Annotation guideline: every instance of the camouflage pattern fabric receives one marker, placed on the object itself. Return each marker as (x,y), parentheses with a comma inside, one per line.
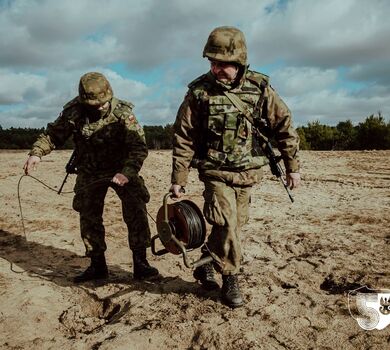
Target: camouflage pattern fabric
(211,134)
(210,129)
(94,89)
(106,146)
(226,44)
(237,178)
(89,202)
(226,209)
(115,143)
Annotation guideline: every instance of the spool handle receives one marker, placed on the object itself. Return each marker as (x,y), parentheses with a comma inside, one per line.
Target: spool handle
(153,247)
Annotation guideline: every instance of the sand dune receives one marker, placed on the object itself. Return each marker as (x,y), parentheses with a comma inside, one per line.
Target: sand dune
(300,261)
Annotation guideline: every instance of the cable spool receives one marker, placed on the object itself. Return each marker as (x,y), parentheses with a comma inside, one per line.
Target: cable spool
(185,223)
(181,227)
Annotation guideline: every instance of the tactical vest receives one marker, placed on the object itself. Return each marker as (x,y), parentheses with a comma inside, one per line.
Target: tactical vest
(101,145)
(227,133)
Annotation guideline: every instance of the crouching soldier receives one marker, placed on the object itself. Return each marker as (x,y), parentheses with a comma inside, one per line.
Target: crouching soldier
(109,144)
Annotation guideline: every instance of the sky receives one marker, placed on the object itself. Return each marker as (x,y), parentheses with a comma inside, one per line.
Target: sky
(328,60)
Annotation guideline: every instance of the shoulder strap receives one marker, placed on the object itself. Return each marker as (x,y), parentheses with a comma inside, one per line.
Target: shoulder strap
(195,81)
(114,103)
(257,78)
(237,102)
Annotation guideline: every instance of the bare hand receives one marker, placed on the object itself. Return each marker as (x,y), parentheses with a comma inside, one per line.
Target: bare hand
(31,164)
(293,180)
(177,191)
(120,179)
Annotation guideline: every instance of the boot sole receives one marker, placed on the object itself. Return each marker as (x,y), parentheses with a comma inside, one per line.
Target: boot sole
(206,284)
(232,305)
(209,285)
(77,281)
(143,278)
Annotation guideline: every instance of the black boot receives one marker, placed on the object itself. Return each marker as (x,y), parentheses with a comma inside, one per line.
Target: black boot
(141,268)
(97,270)
(231,295)
(205,275)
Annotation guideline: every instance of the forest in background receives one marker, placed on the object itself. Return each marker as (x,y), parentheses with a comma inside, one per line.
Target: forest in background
(372,133)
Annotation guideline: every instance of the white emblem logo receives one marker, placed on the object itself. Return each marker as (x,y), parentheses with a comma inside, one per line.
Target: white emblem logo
(370,308)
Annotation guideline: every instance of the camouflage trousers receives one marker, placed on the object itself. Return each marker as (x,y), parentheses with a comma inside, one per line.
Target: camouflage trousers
(226,208)
(89,202)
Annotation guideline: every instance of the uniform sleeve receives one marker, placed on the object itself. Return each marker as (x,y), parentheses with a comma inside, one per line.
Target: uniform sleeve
(55,135)
(280,119)
(186,129)
(136,145)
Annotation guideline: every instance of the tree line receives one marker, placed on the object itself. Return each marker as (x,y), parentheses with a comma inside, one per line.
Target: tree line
(372,133)
(157,137)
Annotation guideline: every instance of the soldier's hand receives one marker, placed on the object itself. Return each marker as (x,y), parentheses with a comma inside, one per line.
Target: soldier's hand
(31,164)
(120,179)
(177,191)
(293,180)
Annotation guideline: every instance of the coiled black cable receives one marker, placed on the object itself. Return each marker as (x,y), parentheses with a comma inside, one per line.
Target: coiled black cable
(195,225)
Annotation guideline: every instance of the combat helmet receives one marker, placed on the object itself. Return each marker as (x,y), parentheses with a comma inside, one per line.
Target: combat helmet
(94,89)
(226,44)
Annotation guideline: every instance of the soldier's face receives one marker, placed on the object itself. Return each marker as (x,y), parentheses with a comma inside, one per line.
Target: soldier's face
(98,111)
(224,71)
(104,107)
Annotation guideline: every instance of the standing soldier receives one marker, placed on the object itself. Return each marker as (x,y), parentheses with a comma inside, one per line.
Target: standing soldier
(212,133)
(109,144)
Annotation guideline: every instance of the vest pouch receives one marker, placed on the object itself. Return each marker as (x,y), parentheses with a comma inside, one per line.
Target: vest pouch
(246,161)
(215,157)
(215,131)
(243,129)
(216,124)
(230,132)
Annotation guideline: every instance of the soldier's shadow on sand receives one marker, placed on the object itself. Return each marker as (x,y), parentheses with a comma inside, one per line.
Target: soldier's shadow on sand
(59,266)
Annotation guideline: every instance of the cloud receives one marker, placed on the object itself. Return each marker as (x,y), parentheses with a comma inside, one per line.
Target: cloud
(293,81)
(40,99)
(51,33)
(315,94)
(143,34)
(17,87)
(328,60)
(326,34)
(330,107)
(376,72)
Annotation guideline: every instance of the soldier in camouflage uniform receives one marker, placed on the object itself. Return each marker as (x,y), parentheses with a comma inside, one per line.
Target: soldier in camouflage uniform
(110,147)
(212,134)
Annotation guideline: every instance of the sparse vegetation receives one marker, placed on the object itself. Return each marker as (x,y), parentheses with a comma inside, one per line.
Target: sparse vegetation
(372,133)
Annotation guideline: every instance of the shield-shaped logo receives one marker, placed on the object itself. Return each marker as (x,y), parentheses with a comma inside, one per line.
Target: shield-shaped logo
(369,307)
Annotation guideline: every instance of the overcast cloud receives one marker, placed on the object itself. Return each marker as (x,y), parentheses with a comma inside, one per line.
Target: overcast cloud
(328,60)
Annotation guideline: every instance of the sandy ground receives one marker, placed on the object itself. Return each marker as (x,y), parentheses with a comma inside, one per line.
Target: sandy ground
(300,261)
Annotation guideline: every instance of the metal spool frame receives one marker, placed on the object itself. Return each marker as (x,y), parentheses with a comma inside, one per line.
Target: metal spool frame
(181,228)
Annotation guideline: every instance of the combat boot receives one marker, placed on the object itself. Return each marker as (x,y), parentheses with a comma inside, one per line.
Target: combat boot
(141,268)
(97,270)
(231,295)
(205,275)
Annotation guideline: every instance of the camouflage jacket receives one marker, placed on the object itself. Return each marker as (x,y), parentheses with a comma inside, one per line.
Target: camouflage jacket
(114,143)
(210,128)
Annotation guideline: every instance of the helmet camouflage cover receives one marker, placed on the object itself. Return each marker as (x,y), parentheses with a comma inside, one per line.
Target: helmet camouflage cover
(226,44)
(94,89)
